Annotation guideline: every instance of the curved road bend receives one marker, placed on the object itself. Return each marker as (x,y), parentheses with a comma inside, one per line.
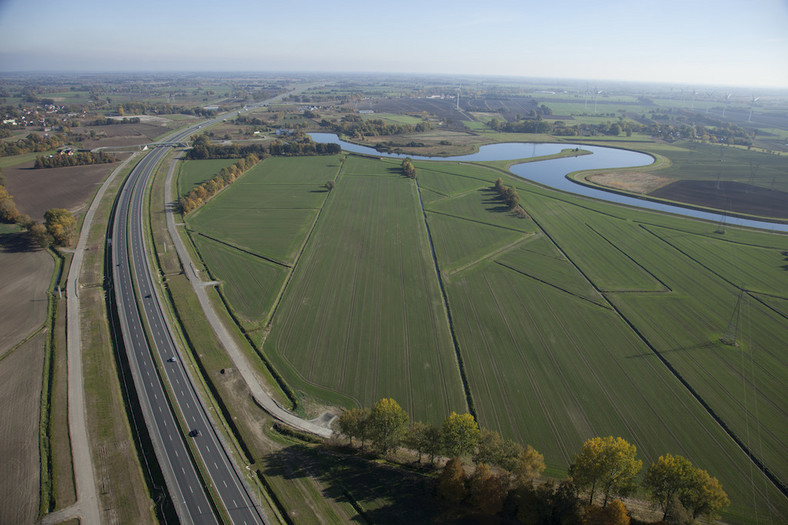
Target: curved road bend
(183,481)
(238,358)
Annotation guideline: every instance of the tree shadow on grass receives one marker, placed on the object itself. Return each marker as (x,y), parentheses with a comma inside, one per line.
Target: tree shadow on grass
(379,492)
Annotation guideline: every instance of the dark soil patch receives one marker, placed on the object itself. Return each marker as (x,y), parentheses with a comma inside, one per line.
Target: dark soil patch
(36,191)
(735,197)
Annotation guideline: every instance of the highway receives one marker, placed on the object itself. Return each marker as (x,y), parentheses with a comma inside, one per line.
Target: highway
(132,273)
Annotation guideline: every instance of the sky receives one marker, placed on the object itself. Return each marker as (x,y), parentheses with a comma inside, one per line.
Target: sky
(689,42)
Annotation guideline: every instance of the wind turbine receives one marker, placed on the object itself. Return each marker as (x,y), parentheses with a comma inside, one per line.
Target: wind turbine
(727,101)
(596,96)
(754,100)
(458,98)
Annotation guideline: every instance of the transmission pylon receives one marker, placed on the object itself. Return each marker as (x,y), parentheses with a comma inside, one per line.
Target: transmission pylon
(729,338)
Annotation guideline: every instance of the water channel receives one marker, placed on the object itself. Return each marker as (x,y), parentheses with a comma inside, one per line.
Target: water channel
(552,173)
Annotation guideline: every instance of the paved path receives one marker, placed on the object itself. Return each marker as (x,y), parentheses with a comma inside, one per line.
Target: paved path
(87,505)
(319,426)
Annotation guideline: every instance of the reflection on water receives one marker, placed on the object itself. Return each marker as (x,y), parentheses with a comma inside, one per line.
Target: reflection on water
(553,172)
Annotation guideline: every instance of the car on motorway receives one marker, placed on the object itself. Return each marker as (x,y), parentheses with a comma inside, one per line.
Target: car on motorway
(194,432)
(171,359)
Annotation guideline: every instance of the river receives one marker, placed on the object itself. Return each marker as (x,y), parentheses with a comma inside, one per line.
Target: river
(552,173)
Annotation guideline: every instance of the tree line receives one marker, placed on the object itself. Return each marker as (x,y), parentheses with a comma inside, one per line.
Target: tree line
(201,193)
(112,121)
(510,197)
(355,126)
(408,169)
(145,108)
(59,226)
(300,145)
(502,481)
(31,143)
(75,159)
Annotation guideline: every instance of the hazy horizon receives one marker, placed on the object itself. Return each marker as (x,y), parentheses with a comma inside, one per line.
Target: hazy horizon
(667,42)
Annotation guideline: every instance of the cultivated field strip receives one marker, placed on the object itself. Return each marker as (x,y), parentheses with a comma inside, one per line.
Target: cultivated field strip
(453,180)
(363,313)
(539,259)
(250,284)
(482,205)
(195,172)
(460,242)
(20,389)
(602,263)
(686,329)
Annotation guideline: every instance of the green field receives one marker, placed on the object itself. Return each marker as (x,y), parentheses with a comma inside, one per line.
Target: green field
(363,314)
(194,172)
(250,235)
(585,319)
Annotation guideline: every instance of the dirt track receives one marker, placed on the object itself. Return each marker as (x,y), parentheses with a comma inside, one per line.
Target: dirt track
(733,197)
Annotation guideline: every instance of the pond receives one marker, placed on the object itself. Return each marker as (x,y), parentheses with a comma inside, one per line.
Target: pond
(552,173)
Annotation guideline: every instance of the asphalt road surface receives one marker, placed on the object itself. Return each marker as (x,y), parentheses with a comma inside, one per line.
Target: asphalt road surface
(131,272)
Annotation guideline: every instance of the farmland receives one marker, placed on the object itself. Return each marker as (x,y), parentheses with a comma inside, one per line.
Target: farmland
(363,314)
(36,191)
(584,319)
(20,389)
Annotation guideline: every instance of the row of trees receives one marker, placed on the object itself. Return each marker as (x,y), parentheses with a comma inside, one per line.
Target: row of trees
(31,143)
(201,193)
(75,159)
(112,121)
(505,470)
(146,108)
(300,145)
(59,226)
(356,126)
(610,467)
(510,197)
(408,169)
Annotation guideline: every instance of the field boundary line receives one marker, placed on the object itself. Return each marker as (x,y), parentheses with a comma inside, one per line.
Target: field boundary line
(625,254)
(477,221)
(555,286)
(457,352)
(27,338)
(779,485)
(503,249)
(243,250)
(449,197)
